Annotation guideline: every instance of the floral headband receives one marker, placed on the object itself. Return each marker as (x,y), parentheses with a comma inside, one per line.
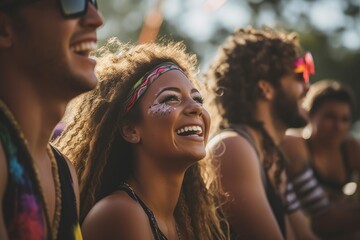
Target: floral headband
(305,65)
(145,81)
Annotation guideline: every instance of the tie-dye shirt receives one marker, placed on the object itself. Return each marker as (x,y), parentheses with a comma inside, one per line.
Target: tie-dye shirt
(23,207)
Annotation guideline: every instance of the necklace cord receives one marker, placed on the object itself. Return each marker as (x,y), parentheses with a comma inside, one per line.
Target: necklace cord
(51,228)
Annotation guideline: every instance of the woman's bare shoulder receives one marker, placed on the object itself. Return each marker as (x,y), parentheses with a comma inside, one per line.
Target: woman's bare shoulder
(296,154)
(229,145)
(117,216)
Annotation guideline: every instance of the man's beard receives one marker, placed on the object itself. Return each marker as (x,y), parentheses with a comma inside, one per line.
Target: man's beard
(286,109)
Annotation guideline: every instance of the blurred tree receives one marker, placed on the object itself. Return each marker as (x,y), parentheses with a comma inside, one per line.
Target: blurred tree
(327,28)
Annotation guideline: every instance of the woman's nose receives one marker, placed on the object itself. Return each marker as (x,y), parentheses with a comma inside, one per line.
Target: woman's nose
(193,108)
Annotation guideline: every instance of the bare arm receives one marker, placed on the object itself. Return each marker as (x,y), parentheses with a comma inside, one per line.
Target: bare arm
(296,155)
(331,220)
(3,181)
(300,226)
(248,209)
(117,217)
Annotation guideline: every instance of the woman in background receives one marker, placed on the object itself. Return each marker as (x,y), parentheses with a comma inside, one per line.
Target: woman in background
(324,166)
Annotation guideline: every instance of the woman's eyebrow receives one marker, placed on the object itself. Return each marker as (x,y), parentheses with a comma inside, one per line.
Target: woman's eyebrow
(174,89)
(194,90)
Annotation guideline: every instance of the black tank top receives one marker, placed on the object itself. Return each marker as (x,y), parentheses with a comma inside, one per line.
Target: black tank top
(329,184)
(158,235)
(69,223)
(273,198)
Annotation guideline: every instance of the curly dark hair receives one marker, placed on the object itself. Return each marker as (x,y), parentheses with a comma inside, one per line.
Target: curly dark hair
(248,56)
(103,158)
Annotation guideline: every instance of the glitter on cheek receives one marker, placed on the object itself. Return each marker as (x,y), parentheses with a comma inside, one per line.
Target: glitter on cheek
(160,109)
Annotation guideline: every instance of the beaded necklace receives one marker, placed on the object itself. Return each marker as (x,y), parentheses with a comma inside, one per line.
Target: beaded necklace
(51,228)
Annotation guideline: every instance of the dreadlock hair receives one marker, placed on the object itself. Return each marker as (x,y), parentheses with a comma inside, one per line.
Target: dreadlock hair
(103,158)
(248,56)
(326,91)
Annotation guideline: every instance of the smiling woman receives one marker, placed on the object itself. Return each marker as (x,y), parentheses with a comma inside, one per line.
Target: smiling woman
(136,142)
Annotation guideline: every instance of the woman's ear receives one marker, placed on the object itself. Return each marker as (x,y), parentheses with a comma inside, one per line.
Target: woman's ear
(266,89)
(5,31)
(130,133)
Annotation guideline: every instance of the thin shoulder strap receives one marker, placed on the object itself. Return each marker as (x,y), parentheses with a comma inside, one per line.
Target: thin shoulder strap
(345,159)
(245,134)
(158,235)
(311,159)
(344,156)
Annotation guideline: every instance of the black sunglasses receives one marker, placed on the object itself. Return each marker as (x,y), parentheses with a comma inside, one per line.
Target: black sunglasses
(69,8)
(75,8)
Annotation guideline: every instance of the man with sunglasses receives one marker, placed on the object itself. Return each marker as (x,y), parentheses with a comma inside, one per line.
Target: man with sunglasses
(44,63)
(258,80)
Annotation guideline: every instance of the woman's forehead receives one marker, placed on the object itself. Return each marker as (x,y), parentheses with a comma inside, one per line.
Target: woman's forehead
(172,79)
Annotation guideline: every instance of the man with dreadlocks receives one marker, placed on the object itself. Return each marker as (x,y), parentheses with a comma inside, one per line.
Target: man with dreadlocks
(256,84)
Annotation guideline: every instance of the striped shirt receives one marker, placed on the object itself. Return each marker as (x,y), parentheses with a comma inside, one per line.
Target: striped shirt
(311,195)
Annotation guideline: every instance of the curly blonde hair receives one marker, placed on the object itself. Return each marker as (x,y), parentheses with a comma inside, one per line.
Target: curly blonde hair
(103,158)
